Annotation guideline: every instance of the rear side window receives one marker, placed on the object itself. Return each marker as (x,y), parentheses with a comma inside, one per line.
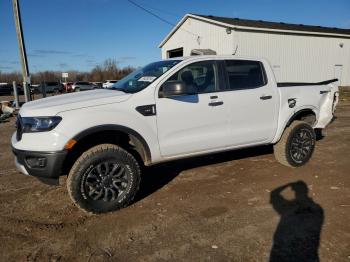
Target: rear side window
(245,74)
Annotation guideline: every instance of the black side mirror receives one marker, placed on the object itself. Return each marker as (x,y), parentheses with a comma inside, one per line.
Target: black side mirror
(177,88)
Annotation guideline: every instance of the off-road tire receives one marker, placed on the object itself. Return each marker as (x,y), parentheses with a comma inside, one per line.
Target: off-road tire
(282,149)
(83,168)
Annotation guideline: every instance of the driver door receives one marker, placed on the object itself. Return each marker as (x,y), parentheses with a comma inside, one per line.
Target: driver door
(190,124)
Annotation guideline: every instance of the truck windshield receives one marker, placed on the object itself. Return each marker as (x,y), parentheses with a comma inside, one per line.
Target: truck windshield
(143,77)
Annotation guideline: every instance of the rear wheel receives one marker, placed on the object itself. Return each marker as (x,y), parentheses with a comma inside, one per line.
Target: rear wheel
(296,145)
(103,179)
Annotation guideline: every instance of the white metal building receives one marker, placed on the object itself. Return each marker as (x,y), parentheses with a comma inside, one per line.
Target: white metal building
(298,53)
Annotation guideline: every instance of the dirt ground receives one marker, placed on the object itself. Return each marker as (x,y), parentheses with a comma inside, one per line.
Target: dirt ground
(224,207)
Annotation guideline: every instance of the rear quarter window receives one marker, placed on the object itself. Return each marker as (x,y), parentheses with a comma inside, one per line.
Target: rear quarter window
(245,74)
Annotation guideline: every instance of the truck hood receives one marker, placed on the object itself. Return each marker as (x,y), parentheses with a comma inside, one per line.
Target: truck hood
(53,105)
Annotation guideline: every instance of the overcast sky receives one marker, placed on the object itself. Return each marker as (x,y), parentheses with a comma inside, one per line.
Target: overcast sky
(78,34)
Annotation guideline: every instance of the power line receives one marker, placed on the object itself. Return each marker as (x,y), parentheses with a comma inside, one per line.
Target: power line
(158,17)
(161,10)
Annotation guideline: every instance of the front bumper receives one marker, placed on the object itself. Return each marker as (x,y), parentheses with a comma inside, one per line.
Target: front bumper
(40,164)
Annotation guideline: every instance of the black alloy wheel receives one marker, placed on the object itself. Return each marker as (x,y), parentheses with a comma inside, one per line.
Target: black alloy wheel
(104,178)
(296,145)
(301,145)
(106,181)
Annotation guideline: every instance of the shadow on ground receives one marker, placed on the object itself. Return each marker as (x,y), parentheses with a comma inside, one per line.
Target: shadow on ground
(297,237)
(155,177)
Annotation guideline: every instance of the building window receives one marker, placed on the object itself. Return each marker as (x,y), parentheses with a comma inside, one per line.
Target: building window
(176,52)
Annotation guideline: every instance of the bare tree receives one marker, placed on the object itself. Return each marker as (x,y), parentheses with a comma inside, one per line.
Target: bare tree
(108,70)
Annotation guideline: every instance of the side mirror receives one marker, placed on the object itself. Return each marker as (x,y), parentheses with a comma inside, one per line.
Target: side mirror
(177,88)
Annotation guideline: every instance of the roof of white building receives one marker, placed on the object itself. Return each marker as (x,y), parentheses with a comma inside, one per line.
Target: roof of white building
(263,26)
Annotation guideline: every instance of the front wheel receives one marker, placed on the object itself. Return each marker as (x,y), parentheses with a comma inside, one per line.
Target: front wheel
(103,179)
(296,145)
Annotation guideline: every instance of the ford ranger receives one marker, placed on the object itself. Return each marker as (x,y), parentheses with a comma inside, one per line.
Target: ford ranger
(167,110)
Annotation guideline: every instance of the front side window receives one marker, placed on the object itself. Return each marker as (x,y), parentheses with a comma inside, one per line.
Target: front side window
(143,77)
(200,75)
(245,74)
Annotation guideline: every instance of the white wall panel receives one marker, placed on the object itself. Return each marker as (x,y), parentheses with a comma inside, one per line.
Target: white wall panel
(210,36)
(294,57)
(298,58)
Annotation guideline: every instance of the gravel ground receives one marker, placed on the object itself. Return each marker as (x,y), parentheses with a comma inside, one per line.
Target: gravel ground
(224,207)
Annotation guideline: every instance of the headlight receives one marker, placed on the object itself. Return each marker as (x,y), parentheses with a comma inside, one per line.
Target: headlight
(39,124)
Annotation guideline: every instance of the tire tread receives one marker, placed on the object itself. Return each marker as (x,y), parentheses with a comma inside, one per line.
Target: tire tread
(280,148)
(84,157)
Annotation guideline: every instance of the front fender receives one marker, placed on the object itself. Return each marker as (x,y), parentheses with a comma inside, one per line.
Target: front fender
(77,123)
(110,127)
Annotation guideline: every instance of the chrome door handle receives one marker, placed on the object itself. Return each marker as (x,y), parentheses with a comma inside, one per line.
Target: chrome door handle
(218,103)
(265,97)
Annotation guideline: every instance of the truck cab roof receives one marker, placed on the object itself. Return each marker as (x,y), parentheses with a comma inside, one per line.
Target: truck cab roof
(220,57)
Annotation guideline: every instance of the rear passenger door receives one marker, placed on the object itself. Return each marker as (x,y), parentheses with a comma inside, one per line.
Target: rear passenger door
(251,102)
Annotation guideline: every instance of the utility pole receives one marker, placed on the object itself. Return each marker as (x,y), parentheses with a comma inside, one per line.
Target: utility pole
(22,50)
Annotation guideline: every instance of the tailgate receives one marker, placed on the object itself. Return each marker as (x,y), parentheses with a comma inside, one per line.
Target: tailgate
(328,104)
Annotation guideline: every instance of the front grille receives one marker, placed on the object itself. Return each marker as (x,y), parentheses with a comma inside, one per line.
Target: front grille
(19,128)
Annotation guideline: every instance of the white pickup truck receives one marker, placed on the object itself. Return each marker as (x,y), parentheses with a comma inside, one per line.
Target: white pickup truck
(167,110)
